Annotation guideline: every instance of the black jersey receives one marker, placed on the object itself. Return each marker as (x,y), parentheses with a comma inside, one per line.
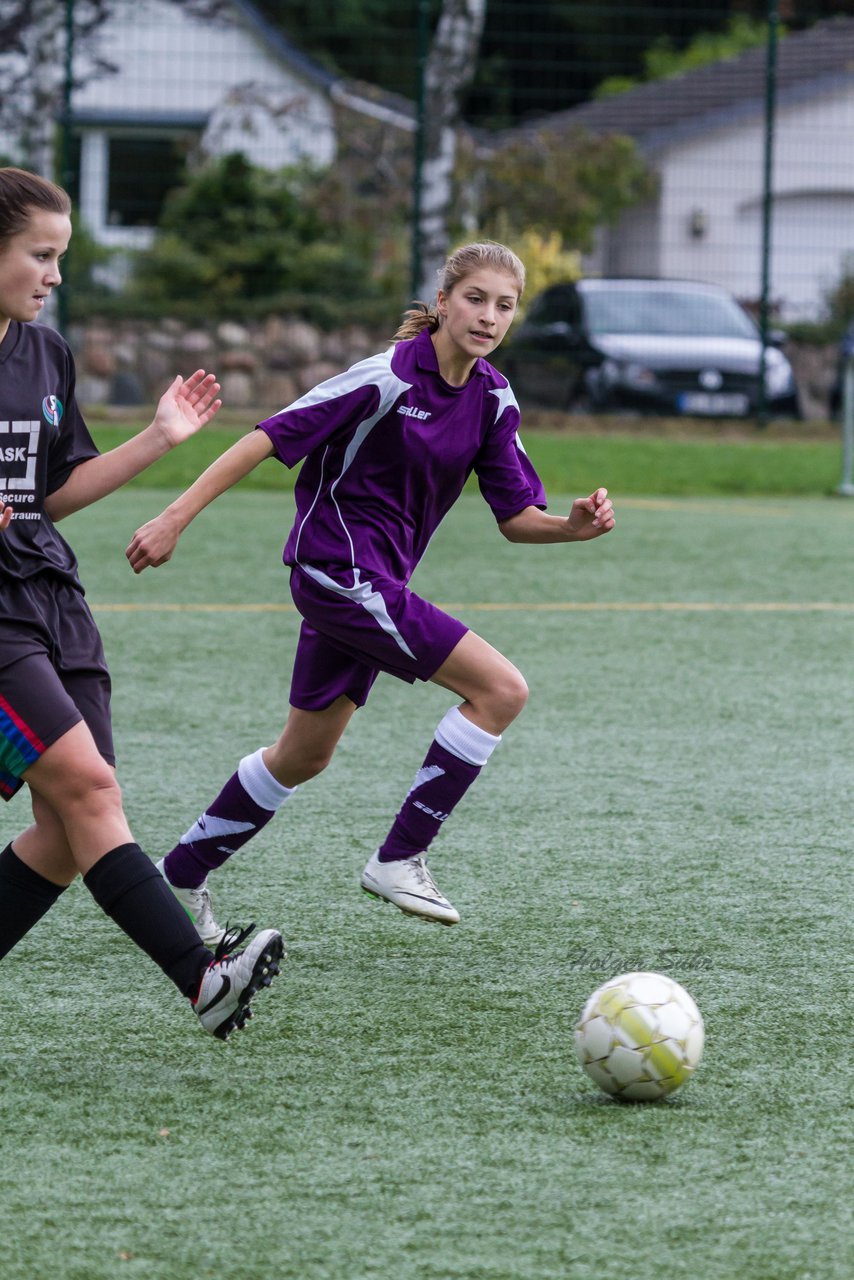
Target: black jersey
(42,439)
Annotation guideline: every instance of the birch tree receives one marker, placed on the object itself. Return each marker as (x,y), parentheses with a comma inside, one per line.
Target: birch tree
(33,56)
(450,68)
(32,72)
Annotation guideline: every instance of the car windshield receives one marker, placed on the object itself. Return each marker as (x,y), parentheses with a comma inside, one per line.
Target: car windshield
(666,312)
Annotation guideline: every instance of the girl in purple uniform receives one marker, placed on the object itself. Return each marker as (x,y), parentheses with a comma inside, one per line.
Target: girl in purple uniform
(55,730)
(386,450)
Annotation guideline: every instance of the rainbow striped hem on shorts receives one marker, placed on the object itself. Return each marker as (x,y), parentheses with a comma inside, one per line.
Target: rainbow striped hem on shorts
(19,748)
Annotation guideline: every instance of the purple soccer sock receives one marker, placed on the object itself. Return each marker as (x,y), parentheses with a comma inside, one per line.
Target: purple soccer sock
(246,803)
(456,756)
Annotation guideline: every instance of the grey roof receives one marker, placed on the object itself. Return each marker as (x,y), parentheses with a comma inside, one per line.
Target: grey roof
(279,44)
(363,97)
(808,63)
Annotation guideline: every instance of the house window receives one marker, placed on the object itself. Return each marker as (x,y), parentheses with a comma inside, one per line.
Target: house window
(141,170)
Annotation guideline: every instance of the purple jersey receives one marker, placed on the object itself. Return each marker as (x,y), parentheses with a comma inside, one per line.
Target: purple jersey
(388,446)
(42,439)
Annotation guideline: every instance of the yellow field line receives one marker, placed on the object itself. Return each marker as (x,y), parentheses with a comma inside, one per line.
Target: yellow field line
(517,606)
(725,506)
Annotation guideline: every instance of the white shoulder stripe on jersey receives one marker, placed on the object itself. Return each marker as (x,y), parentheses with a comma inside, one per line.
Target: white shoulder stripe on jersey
(376,371)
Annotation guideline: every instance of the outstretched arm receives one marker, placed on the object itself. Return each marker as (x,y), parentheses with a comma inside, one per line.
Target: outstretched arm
(153,544)
(184,408)
(588,518)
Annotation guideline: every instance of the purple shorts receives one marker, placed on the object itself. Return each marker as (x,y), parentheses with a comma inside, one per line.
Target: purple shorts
(52,674)
(350,634)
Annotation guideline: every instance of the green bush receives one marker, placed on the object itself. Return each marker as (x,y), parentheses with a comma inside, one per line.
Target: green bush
(837,316)
(238,241)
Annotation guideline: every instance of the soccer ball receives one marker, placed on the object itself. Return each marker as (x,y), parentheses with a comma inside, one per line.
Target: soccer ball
(640,1036)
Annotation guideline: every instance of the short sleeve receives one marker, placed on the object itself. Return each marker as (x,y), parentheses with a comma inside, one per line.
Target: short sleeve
(508,479)
(69,441)
(319,416)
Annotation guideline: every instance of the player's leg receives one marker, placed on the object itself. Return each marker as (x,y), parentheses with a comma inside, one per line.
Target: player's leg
(56,735)
(326,688)
(78,785)
(57,738)
(34,710)
(493,693)
(397,631)
(252,796)
(35,868)
(43,846)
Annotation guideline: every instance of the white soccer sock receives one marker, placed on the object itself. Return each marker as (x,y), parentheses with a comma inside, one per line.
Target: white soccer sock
(259,783)
(465,739)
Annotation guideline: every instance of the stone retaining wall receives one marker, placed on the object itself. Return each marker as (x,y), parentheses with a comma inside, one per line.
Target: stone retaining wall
(267,365)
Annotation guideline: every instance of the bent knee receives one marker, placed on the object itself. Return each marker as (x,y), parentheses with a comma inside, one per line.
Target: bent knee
(292,772)
(92,788)
(516,693)
(316,762)
(508,696)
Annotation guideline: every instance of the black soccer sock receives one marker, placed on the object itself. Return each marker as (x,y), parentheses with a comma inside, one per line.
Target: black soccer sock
(25,897)
(127,885)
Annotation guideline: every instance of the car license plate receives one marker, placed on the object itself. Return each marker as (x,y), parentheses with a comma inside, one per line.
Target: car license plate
(725,403)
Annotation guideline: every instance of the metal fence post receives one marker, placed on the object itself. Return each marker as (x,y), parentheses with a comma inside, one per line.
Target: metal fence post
(65,142)
(767,201)
(422,34)
(846,486)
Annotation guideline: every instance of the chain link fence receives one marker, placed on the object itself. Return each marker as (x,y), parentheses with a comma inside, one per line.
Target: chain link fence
(265,156)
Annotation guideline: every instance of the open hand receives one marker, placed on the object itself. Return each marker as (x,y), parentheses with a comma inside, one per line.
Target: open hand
(186,407)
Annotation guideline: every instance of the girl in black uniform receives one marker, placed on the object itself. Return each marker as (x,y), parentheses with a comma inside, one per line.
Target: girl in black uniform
(55,730)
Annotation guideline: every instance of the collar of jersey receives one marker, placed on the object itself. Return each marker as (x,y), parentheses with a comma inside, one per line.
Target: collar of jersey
(425,358)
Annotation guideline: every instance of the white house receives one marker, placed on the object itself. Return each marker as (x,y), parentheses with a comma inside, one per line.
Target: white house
(173,84)
(703,134)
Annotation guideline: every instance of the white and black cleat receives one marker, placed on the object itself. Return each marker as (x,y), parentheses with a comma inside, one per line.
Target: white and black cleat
(234,978)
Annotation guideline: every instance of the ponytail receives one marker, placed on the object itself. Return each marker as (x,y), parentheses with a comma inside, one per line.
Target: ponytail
(419,317)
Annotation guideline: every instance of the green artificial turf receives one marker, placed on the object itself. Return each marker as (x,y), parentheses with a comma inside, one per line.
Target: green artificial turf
(406,1103)
(645,460)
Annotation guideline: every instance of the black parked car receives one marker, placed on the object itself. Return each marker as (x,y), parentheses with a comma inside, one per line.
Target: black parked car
(651,346)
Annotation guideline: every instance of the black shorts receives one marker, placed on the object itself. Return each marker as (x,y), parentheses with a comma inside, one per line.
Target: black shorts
(52,674)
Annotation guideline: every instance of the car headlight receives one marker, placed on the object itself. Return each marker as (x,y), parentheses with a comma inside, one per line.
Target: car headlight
(609,372)
(779,379)
(628,374)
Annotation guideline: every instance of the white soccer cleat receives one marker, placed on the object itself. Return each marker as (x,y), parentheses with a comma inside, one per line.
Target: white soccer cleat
(232,980)
(409,885)
(198,906)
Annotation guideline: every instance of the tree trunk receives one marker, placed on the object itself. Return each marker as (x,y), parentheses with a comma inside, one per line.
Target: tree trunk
(450,67)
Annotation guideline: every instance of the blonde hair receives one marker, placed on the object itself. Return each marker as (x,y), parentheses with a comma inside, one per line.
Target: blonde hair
(21,192)
(461,263)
